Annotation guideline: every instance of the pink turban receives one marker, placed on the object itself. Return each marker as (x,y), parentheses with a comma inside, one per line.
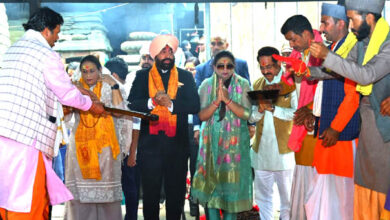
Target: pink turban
(160,42)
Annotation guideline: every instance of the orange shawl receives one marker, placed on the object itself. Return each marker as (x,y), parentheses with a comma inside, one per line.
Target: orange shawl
(94,133)
(166,121)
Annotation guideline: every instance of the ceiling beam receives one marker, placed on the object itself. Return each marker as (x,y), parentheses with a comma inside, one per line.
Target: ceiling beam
(146,1)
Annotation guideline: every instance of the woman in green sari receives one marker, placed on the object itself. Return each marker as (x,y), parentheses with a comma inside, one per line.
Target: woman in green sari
(223,179)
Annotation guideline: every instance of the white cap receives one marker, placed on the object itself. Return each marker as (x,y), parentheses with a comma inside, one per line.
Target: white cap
(286,48)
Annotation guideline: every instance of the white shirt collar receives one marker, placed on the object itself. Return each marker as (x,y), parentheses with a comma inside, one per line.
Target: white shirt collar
(37,35)
(276,78)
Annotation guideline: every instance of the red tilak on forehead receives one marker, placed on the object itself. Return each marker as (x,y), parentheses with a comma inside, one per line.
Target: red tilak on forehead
(263,63)
(86,67)
(225,61)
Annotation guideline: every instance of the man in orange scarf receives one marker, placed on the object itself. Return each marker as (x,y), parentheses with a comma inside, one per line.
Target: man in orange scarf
(163,148)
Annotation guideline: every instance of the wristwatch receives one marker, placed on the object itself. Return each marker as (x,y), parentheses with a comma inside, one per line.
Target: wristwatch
(116,86)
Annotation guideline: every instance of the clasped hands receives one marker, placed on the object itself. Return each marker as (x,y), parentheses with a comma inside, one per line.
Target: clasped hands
(163,99)
(304,116)
(222,94)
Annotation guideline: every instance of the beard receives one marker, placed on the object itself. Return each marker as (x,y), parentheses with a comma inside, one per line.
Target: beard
(363,32)
(146,65)
(160,64)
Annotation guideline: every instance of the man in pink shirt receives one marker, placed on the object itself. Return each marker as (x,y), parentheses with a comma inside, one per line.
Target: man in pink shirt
(32,82)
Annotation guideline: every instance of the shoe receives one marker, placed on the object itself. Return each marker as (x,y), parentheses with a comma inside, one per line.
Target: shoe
(194,209)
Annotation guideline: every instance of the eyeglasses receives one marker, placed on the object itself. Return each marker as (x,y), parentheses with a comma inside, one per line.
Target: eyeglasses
(222,66)
(145,57)
(219,43)
(268,67)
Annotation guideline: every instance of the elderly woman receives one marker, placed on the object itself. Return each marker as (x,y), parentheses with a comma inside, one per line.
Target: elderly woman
(93,163)
(223,179)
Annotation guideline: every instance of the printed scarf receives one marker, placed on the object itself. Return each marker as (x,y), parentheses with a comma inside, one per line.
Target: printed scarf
(93,133)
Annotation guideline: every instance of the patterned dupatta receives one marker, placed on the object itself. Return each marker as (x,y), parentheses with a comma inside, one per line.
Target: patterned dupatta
(220,143)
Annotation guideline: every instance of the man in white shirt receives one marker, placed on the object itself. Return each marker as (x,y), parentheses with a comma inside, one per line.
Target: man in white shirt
(272,160)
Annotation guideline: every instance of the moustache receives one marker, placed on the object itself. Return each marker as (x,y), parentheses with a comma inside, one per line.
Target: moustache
(267,74)
(146,65)
(167,59)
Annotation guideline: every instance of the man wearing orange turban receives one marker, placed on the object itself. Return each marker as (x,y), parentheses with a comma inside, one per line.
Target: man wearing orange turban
(163,148)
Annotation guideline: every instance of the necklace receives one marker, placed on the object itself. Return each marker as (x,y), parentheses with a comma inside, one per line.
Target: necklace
(87,126)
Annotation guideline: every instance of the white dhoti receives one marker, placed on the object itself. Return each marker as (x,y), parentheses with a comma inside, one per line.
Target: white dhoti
(330,197)
(263,185)
(302,178)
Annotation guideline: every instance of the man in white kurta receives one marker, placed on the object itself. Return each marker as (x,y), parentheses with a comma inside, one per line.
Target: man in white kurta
(32,82)
(271,159)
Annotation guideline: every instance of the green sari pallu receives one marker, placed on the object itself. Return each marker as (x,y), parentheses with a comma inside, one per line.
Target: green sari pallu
(223,177)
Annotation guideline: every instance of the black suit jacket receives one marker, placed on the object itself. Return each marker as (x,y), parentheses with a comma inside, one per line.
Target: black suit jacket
(186,102)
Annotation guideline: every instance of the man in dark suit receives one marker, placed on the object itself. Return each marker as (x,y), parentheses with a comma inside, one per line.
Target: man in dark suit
(205,70)
(169,92)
